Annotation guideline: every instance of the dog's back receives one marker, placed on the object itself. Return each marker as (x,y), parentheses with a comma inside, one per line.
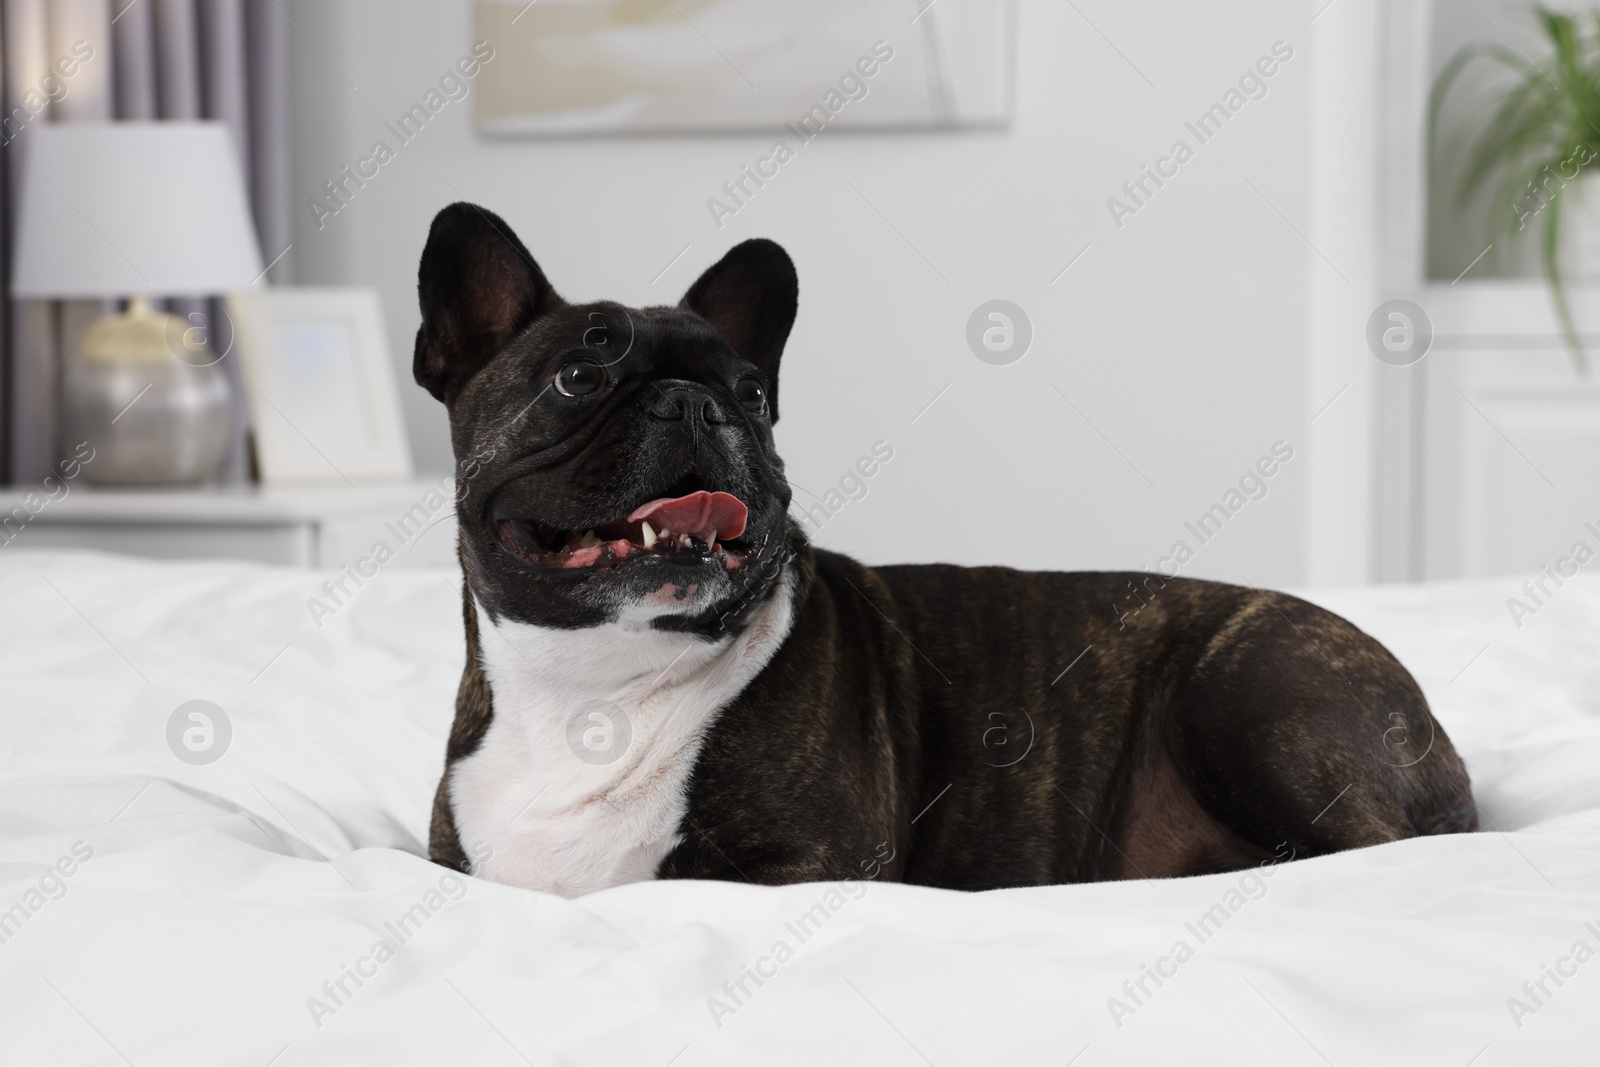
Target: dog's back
(991,727)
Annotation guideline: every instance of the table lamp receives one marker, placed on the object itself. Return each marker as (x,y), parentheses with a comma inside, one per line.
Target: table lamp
(138,210)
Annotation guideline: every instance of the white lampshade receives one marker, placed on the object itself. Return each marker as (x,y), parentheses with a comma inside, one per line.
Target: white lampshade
(132,208)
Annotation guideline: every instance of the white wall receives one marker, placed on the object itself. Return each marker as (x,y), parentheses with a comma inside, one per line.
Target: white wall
(1180,336)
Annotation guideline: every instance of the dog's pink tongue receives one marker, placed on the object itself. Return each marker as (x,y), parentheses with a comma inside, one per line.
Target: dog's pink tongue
(699,515)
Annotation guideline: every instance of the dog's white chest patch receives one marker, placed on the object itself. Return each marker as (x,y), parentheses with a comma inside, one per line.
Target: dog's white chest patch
(581,779)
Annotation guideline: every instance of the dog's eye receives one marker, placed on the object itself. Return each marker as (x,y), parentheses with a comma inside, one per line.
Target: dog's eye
(750,394)
(580,378)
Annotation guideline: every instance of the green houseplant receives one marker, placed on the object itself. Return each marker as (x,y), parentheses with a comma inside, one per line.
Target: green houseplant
(1541,134)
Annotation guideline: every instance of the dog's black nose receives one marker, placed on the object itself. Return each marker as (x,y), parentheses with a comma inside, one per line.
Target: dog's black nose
(676,401)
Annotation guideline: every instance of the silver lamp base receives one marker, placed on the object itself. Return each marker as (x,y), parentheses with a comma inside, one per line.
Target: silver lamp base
(145,392)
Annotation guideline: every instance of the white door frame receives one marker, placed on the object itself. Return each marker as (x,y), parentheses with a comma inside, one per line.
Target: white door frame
(1368,187)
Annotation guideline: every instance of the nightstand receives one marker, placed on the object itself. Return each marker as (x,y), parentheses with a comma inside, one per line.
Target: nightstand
(325,528)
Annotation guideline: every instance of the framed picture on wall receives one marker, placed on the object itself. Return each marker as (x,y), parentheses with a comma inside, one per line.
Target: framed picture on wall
(563,67)
(324,405)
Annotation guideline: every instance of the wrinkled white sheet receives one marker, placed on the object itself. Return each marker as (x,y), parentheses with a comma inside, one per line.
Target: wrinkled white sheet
(219,899)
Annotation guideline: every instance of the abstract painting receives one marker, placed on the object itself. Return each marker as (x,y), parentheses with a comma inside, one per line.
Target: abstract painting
(685,66)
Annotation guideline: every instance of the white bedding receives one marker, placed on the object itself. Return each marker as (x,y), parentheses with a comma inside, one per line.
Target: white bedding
(219,898)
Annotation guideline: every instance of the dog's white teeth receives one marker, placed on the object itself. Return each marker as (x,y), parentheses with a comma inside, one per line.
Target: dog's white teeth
(711,542)
(588,540)
(685,540)
(648,534)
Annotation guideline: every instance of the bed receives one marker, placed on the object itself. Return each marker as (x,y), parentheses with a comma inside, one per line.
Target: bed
(274,906)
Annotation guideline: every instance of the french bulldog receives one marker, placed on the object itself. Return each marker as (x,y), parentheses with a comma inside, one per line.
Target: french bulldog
(664,679)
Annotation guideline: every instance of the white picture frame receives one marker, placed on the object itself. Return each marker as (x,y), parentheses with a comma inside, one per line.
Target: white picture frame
(320,385)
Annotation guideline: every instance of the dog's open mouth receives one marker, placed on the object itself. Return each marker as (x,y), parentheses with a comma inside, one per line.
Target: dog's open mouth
(698,525)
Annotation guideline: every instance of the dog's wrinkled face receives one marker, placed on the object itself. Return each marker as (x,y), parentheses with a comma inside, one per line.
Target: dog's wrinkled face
(612,463)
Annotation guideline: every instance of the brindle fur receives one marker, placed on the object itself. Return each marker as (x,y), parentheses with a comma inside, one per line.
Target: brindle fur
(474,712)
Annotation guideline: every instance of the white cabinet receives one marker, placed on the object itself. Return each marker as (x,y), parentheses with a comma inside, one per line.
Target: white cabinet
(1508,432)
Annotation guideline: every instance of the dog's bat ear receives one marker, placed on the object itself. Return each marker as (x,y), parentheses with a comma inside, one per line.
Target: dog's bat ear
(478,288)
(750,296)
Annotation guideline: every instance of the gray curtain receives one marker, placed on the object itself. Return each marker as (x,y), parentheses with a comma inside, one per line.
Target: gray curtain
(152,59)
